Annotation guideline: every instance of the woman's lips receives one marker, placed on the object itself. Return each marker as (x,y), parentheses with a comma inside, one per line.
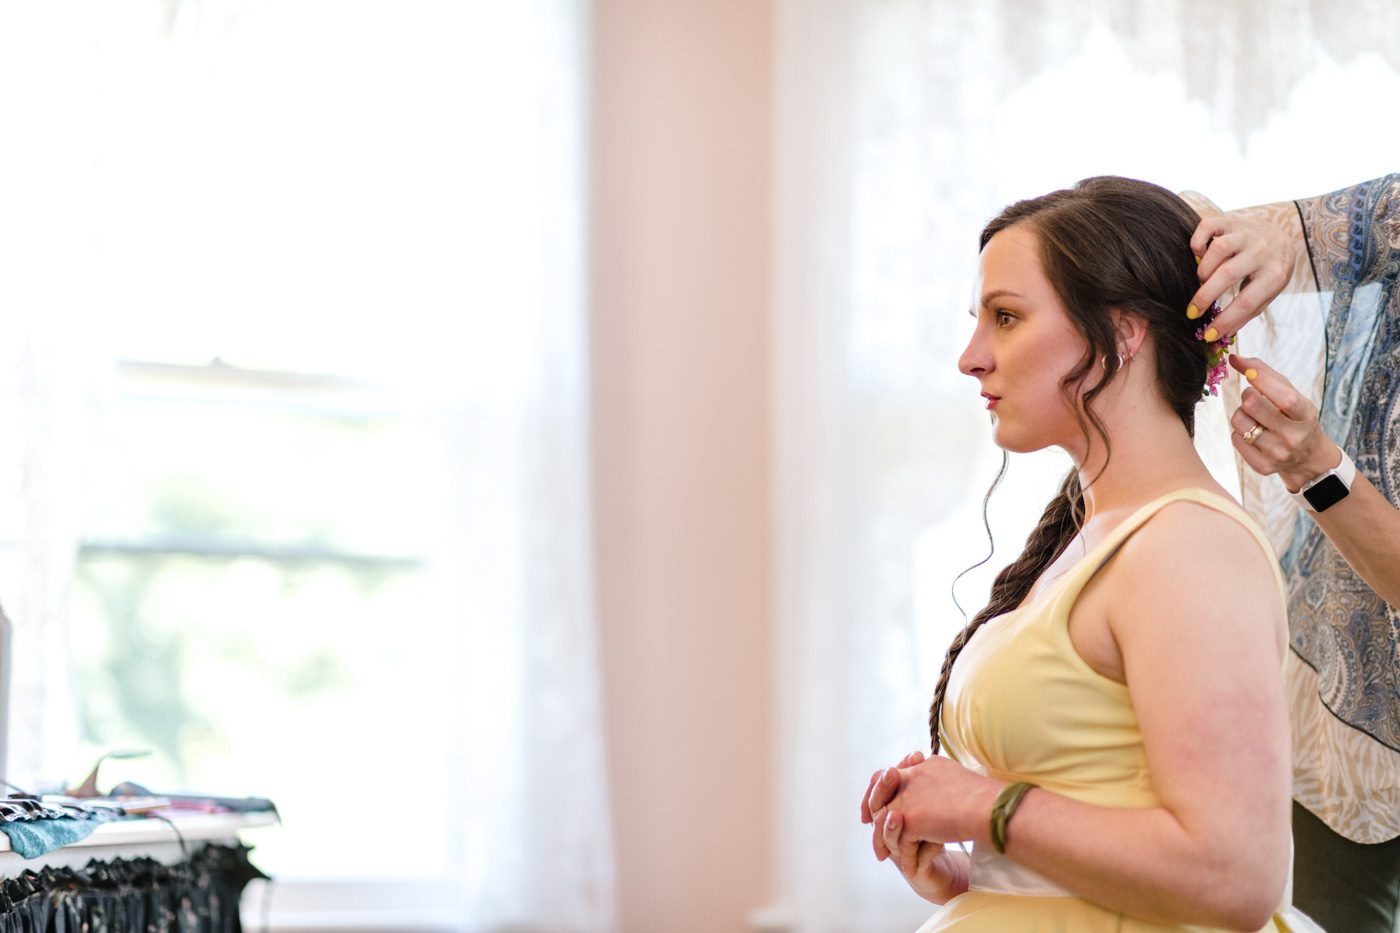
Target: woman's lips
(991,400)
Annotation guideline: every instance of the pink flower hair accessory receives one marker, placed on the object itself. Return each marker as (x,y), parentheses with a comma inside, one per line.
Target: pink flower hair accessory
(1217,353)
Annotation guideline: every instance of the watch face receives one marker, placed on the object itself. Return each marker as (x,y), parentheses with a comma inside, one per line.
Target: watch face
(1326,492)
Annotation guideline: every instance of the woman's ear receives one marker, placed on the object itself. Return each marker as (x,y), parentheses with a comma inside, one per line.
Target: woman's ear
(1131,331)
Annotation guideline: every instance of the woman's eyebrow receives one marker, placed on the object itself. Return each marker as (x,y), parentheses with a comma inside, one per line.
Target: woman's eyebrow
(991,296)
(994,294)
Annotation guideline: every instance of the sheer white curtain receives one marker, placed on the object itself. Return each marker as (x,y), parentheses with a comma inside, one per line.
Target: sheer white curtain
(387,192)
(903,125)
(54,362)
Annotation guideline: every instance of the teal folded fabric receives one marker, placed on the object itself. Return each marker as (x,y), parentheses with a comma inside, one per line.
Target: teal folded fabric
(33,838)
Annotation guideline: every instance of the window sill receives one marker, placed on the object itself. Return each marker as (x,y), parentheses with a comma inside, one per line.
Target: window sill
(361,906)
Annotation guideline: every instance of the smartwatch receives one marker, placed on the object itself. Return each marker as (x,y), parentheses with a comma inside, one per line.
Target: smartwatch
(1327,490)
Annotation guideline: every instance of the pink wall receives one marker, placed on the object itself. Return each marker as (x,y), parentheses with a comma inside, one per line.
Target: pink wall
(682,106)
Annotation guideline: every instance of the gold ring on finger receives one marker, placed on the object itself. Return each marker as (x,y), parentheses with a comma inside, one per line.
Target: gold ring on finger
(1252,435)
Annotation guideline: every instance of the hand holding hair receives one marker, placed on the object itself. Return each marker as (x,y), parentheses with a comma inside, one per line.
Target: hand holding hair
(1236,250)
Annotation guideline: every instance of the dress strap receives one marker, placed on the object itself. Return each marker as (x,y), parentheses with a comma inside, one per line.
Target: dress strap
(1093,563)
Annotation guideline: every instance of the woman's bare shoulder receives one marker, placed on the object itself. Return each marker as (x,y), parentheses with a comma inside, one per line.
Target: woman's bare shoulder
(1193,559)
(1187,538)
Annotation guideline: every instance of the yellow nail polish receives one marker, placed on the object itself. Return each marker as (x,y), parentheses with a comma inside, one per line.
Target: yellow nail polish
(1211,335)
(1251,374)
(1193,312)
(1198,260)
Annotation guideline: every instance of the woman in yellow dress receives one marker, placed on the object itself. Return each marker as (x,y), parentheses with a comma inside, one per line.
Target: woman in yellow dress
(1114,719)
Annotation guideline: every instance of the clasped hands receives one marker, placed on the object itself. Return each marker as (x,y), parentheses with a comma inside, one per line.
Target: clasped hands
(916,808)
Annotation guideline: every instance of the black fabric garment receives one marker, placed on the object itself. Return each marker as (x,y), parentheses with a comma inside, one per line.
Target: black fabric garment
(1347,887)
(139,895)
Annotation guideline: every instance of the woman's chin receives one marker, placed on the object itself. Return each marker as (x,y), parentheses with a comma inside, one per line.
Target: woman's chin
(1016,442)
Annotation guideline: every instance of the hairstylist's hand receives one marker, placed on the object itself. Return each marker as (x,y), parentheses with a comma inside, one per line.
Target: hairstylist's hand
(884,784)
(1290,441)
(1236,250)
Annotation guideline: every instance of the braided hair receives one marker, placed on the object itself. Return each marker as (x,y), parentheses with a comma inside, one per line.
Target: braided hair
(1106,244)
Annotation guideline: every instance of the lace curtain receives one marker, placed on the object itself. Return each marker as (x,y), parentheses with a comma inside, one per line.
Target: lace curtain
(902,127)
(464,120)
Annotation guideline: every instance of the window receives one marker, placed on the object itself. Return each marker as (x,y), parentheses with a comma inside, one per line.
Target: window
(253,606)
(297,472)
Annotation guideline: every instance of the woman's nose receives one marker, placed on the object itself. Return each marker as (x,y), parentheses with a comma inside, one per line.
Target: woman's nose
(974,360)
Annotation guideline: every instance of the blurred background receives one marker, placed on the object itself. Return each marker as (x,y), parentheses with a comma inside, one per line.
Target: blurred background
(523,438)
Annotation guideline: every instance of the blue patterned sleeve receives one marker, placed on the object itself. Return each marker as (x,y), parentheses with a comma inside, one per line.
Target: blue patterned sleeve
(1353,235)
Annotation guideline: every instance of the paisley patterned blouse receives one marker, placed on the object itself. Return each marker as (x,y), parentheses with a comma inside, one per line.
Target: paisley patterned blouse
(1336,334)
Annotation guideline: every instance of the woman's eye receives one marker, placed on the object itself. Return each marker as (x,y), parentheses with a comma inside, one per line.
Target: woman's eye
(1005,318)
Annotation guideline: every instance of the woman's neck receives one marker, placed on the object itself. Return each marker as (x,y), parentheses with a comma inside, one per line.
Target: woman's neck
(1150,454)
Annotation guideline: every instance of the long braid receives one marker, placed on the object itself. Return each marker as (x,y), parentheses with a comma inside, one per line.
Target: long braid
(1058,526)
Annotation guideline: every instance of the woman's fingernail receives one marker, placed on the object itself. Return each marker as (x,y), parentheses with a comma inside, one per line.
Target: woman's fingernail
(1251,374)
(1193,312)
(1198,260)
(1211,335)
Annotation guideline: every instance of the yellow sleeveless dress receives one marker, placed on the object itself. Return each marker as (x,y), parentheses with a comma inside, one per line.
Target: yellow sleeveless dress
(1022,705)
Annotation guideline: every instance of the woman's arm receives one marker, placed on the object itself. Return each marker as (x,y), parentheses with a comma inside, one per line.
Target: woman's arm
(1364,526)
(1196,612)
(1252,248)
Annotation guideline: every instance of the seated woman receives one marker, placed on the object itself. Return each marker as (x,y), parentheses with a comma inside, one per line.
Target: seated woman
(1115,716)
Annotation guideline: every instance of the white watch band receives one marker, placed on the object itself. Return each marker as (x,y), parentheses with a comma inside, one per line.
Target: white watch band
(1344,471)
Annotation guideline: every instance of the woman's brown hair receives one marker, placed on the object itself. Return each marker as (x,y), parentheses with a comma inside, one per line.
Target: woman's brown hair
(1107,244)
